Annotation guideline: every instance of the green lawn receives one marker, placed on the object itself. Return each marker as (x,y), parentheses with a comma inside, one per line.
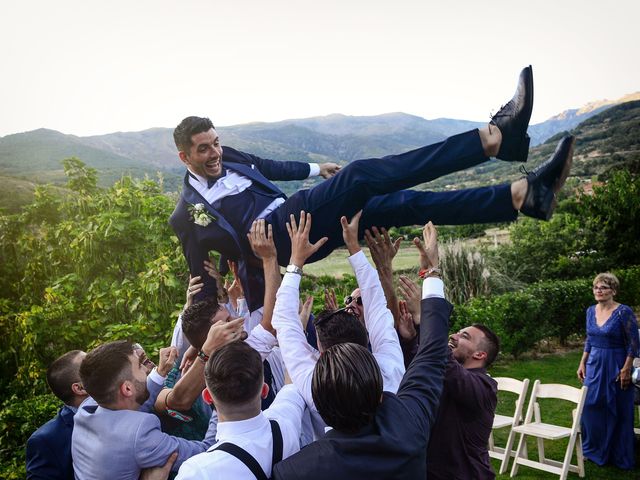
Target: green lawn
(336,264)
(558,368)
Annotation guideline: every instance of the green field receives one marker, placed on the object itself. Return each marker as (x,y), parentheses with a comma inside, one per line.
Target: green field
(336,264)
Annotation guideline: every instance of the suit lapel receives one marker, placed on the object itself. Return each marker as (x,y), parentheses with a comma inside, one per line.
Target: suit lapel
(190,195)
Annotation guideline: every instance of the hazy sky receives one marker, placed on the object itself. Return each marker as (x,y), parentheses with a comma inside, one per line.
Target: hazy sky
(87,67)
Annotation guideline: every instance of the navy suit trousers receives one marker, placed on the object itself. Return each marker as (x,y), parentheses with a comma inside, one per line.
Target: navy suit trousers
(377,186)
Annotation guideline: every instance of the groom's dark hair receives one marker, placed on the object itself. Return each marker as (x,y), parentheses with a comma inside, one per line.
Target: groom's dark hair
(189,127)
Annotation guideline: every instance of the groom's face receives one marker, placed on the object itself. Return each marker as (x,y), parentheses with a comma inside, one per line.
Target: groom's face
(205,154)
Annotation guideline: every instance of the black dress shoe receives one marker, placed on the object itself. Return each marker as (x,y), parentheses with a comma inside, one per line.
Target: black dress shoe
(547,180)
(513,120)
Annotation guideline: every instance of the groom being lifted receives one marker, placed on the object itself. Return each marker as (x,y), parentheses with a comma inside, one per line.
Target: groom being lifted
(226,190)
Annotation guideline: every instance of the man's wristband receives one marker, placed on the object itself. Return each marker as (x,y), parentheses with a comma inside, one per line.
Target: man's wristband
(203,356)
(430,272)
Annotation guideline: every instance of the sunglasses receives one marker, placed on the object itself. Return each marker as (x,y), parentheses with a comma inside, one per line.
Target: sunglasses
(350,298)
(323,318)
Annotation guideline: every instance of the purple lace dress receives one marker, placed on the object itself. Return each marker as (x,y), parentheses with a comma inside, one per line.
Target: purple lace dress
(607,418)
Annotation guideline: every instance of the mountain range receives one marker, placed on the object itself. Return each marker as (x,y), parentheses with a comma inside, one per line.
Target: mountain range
(35,156)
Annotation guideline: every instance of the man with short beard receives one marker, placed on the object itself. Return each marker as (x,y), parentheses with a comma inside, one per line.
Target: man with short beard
(460,435)
(112,438)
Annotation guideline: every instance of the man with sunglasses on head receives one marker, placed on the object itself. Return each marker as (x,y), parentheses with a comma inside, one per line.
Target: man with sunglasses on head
(334,327)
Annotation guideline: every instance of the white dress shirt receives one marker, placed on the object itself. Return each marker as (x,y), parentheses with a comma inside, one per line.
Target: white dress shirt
(233,183)
(253,436)
(300,358)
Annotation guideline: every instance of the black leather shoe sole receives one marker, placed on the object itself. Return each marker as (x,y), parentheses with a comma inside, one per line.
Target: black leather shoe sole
(513,119)
(547,180)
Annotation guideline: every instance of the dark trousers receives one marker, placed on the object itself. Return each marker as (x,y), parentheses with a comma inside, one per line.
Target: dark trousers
(377,186)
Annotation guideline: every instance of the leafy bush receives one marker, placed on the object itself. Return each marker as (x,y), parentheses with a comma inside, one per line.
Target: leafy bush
(541,310)
(18,419)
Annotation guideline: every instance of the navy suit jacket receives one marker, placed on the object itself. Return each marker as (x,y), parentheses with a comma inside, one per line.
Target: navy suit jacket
(394,445)
(49,448)
(219,235)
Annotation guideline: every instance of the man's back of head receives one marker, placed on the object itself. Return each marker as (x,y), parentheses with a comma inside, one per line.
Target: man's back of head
(340,326)
(197,319)
(234,377)
(105,368)
(63,377)
(347,387)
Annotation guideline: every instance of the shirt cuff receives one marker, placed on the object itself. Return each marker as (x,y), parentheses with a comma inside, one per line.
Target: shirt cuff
(264,336)
(155,377)
(432,287)
(314,170)
(291,280)
(357,259)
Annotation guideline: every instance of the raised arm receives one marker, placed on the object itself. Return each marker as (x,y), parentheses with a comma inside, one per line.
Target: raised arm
(261,240)
(383,251)
(299,357)
(421,386)
(383,337)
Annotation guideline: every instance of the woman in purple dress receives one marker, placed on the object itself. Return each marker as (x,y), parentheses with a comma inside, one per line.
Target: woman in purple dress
(605,368)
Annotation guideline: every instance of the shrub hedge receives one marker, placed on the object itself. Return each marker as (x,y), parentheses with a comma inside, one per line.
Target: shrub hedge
(541,310)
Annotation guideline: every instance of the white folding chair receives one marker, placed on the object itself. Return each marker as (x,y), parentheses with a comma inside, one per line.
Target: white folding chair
(519,387)
(534,427)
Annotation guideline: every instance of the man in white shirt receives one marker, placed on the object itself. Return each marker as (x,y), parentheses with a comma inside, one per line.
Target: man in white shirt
(339,326)
(250,441)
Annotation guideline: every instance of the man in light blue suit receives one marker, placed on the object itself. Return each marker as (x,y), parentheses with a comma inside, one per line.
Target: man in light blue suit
(112,438)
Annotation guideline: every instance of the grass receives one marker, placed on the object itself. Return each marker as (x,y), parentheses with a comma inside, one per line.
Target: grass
(336,264)
(555,368)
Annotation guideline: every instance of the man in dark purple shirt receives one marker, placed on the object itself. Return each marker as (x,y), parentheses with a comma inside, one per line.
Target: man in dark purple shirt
(458,445)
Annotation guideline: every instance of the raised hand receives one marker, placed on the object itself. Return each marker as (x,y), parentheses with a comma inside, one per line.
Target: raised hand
(261,239)
(301,247)
(234,288)
(382,248)
(429,251)
(305,311)
(350,232)
(222,333)
(195,285)
(167,358)
(330,300)
(406,326)
(212,270)
(412,295)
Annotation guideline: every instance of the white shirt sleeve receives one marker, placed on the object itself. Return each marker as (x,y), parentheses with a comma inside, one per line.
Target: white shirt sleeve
(261,341)
(287,409)
(383,337)
(432,287)
(299,357)
(314,170)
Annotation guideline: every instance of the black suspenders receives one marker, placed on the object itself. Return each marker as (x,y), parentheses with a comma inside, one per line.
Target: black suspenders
(251,463)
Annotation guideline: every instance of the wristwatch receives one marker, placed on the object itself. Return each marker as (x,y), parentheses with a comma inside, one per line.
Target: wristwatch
(291,268)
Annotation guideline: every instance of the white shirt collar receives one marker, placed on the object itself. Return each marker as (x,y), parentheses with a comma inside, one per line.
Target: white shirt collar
(228,430)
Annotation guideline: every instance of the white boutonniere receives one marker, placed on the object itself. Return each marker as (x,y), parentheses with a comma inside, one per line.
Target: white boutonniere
(200,215)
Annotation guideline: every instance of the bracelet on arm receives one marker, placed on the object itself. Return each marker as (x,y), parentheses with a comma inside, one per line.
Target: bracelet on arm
(203,356)
(431,272)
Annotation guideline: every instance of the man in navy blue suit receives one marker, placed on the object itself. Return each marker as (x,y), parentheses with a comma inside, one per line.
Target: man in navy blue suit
(49,448)
(226,190)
